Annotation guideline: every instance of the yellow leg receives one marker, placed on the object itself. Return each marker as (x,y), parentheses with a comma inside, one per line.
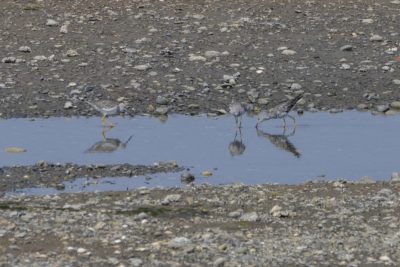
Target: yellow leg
(105,123)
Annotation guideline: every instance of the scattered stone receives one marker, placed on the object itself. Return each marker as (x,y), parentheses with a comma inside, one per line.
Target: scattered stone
(24,49)
(206,173)
(72,53)
(376,38)
(288,52)
(68,105)
(14,149)
(295,86)
(179,242)
(211,54)
(346,48)
(396,82)
(250,217)
(161,100)
(162,110)
(142,67)
(395,177)
(51,22)
(193,57)
(395,104)
(9,60)
(367,21)
(171,198)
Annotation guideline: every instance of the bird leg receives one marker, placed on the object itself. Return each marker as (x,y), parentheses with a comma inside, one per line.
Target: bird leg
(294,120)
(284,123)
(240,121)
(105,123)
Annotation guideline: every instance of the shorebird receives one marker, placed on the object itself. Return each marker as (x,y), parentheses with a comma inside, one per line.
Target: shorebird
(281,141)
(237,110)
(108,145)
(280,111)
(107,108)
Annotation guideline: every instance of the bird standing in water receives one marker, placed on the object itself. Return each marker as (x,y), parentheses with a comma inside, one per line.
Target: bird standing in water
(237,110)
(280,111)
(107,108)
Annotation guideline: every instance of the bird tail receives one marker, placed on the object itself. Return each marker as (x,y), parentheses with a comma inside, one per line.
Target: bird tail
(293,102)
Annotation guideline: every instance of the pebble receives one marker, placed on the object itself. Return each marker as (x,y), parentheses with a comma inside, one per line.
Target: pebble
(367,21)
(68,105)
(211,54)
(295,86)
(396,82)
(171,198)
(135,262)
(142,67)
(219,262)
(81,250)
(72,53)
(250,217)
(193,57)
(179,242)
(51,22)
(346,48)
(162,100)
(25,49)
(395,177)
(395,104)
(288,52)
(162,110)
(9,60)
(376,38)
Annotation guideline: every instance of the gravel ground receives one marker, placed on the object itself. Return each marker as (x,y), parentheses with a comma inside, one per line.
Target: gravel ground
(195,56)
(192,57)
(305,225)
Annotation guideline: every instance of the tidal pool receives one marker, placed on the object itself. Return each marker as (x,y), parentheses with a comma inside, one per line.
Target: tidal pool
(346,145)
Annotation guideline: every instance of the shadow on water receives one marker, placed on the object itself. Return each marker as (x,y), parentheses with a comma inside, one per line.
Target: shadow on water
(347,145)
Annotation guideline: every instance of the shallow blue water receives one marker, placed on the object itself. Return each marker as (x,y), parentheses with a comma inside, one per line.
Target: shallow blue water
(345,145)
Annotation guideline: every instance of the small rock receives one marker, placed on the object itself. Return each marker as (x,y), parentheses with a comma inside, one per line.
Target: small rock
(25,49)
(395,177)
(14,149)
(193,57)
(64,29)
(81,250)
(396,82)
(235,214)
(211,54)
(171,198)
(135,262)
(162,100)
(162,110)
(366,180)
(142,67)
(288,52)
(250,217)
(219,262)
(367,21)
(206,173)
(179,242)
(275,211)
(295,86)
(376,38)
(346,48)
(395,104)
(9,60)
(51,22)
(68,105)
(382,108)
(72,53)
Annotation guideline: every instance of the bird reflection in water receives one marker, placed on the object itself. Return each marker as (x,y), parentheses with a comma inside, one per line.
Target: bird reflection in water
(237,147)
(281,141)
(108,145)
